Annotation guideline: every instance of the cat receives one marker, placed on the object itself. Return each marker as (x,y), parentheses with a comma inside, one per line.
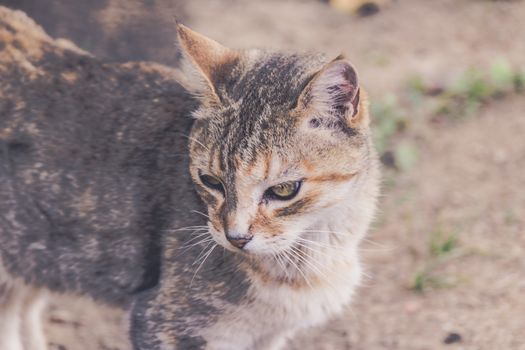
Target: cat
(93,168)
(224,210)
(282,156)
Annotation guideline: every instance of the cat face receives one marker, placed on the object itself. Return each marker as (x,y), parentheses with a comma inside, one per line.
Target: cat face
(280,149)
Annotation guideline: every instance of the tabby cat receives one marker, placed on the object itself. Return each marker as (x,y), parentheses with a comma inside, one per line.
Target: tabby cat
(255,241)
(281,154)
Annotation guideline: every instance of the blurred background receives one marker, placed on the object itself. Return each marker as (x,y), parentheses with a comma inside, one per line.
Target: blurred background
(445,260)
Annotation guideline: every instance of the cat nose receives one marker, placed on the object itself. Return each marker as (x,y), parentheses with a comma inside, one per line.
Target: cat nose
(238,240)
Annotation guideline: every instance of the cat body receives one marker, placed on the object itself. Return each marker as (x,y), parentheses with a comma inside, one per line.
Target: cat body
(92,169)
(225,213)
(249,313)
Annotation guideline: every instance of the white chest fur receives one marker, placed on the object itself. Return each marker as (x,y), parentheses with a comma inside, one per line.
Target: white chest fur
(276,311)
(310,305)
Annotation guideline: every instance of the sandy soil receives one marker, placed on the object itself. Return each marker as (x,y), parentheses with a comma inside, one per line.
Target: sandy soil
(468,180)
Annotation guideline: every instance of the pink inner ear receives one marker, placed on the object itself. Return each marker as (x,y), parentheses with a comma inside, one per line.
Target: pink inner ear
(340,82)
(337,83)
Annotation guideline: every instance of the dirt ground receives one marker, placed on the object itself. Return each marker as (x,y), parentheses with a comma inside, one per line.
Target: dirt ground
(467,183)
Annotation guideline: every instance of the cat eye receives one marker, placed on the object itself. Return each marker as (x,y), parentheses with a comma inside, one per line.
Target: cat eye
(283,191)
(212,182)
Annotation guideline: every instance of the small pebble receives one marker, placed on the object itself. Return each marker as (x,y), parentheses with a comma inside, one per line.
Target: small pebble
(452,338)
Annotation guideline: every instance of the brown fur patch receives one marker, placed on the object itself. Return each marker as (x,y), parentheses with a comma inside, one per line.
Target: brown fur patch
(297,207)
(267,164)
(331,178)
(362,118)
(262,223)
(308,165)
(248,170)
(216,223)
(70,76)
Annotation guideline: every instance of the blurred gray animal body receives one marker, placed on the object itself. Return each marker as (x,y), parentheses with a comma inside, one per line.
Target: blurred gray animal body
(96,197)
(92,164)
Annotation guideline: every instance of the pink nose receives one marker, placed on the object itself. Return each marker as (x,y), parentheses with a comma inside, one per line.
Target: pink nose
(238,241)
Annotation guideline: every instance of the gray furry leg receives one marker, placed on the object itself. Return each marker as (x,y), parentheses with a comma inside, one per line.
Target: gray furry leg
(277,342)
(32,320)
(21,309)
(11,302)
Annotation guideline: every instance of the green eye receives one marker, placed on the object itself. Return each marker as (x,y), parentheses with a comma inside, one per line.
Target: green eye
(212,182)
(283,191)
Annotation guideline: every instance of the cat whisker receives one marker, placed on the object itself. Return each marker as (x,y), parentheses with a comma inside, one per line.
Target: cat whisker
(277,258)
(348,233)
(318,251)
(197,234)
(197,141)
(201,254)
(306,261)
(316,269)
(298,269)
(367,275)
(332,247)
(201,213)
(202,263)
(187,246)
(285,269)
(325,254)
(367,240)
(187,228)
(202,241)
(320,244)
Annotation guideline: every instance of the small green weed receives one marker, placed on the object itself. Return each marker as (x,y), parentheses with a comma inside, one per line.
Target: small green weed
(389,118)
(441,247)
(476,87)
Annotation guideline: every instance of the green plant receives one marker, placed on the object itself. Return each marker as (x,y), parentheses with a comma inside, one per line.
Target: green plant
(476,87)
(502,75)
(442,249)
(406,155)
(419,282)
(388,118)
(441,245)
(425,280)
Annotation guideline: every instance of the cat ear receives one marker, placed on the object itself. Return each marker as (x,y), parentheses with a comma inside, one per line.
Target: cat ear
(212,60)
(333,95)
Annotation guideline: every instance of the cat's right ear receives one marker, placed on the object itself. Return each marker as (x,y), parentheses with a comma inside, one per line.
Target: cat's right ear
(212,60)
(333,97)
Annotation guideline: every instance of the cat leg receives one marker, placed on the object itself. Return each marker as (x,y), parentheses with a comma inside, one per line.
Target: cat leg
(32,320)
(11,301)
(277,342)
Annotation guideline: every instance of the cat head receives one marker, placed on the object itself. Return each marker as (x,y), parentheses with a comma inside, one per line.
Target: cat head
(280,149)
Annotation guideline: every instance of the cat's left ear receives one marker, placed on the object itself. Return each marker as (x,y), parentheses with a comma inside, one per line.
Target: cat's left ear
(212,60)
(333,96)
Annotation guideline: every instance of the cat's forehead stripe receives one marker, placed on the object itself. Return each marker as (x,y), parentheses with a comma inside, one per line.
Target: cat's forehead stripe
(267,165)
(263,97)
